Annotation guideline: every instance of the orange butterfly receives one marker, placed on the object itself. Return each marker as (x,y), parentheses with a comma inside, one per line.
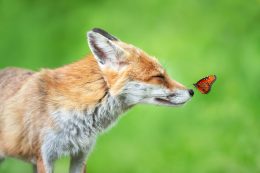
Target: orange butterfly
(204,84)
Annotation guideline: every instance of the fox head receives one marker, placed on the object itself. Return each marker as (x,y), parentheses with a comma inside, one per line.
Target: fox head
(132,74)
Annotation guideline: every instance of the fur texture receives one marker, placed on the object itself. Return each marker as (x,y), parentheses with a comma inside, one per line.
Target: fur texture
(52,113)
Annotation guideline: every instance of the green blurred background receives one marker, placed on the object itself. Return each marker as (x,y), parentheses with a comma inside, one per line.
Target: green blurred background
(214,133)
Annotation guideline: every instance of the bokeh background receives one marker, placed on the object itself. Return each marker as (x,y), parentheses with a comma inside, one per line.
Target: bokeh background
(214,133)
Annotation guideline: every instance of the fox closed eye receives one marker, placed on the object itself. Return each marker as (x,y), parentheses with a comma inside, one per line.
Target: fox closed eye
(158,79)
(159,76)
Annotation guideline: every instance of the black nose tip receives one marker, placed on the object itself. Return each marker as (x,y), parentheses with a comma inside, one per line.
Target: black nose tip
(191,92)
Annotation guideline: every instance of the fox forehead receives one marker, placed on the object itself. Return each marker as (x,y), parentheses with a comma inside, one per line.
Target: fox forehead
(142,65)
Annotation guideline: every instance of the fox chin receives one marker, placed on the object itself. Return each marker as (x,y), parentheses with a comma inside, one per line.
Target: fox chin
(60,112)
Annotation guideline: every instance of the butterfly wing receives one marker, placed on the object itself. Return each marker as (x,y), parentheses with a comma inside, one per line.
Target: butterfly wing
(204,84)
(203,87)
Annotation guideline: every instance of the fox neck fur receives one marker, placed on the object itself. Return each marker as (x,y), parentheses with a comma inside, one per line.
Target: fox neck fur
(73,102)
(86,110)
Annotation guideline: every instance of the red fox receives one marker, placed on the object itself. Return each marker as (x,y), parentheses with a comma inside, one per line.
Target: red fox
(52,113)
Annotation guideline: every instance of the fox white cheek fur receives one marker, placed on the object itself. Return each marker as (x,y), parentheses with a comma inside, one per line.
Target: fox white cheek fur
(139,92)
(135,92)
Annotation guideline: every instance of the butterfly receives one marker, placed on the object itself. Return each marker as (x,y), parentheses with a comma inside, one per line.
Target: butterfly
(204,84)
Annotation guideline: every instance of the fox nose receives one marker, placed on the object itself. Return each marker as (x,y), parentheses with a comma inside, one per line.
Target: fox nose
(191,92)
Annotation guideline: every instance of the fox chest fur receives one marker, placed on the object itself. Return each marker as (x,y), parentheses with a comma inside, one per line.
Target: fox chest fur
(76,131)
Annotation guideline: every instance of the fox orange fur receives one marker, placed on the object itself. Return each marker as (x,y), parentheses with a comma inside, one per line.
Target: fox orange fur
(51,113)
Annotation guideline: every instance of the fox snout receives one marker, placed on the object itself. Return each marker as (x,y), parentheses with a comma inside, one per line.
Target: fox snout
(179,93)
(191,92)
(176,97)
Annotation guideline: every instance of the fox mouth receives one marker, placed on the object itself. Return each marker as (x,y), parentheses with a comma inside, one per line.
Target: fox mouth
(167,101)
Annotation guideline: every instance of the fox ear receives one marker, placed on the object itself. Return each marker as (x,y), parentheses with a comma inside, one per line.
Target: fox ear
(107,53)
